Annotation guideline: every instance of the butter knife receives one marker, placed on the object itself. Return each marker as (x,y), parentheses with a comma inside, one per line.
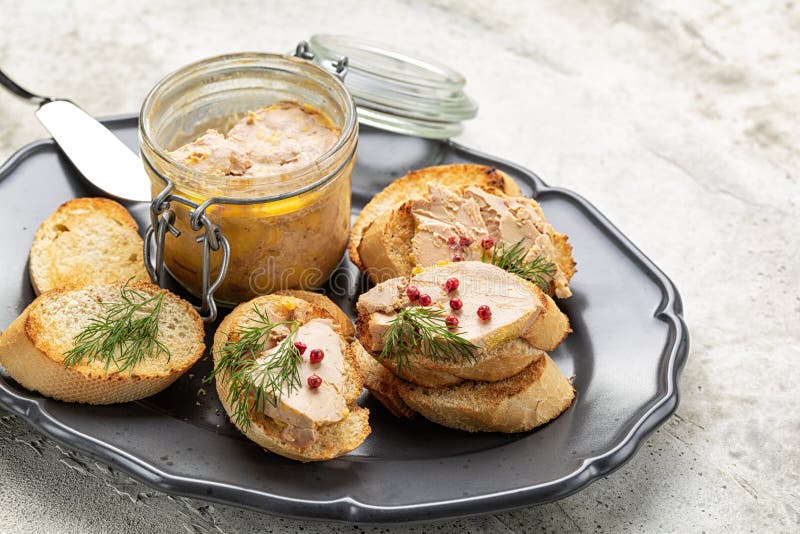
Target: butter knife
(97,153)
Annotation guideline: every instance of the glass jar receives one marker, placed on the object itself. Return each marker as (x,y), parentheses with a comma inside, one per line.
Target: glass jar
(286,230)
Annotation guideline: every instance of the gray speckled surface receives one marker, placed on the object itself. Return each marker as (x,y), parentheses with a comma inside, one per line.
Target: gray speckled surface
(679,123)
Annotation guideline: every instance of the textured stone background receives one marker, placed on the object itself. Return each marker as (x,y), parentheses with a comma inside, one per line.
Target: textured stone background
(679,123)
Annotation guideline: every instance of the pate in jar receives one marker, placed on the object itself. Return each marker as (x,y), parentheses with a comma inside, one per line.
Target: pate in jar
(266,143)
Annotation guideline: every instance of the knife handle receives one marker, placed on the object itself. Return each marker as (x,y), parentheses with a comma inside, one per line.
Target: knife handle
(20,91)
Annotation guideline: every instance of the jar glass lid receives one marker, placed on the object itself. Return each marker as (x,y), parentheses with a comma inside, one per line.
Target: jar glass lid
(397,91)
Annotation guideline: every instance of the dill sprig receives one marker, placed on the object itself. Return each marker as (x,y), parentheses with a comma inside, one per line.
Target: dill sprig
(260,381)
(422,330)
(124,336)
(538,270)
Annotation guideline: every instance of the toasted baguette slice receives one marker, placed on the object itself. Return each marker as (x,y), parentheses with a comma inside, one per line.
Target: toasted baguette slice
(518,404)
(385,247)
(412,184)
(32,348)
(506,351)
(86,241)
(548,331)
(333,440)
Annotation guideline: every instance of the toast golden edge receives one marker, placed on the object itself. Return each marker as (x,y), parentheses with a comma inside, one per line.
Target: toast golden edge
(538,394)
(520,403)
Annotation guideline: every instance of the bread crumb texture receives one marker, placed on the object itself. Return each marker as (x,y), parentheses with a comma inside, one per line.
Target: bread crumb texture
(32,349)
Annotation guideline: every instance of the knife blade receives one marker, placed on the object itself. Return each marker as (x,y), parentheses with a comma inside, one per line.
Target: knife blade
(96,152)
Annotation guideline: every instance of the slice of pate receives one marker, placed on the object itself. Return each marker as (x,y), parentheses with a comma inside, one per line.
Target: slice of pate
(450,225)
(302,410)
(514,302)
(212,153)
(279,138)
(282,137)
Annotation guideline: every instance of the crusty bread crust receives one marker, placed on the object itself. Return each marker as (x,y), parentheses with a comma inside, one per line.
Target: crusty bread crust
(37,363)
(334,440)
(518,404)
(506,360)
(86,241)
(386,245)
(417,181)
(564,259)
(417,373)
(550,328)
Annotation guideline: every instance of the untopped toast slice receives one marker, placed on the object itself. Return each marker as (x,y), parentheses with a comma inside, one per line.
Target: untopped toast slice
(33,348)
(86,241)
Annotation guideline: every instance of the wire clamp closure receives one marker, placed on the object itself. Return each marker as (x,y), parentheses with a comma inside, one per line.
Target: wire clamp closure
(162,219)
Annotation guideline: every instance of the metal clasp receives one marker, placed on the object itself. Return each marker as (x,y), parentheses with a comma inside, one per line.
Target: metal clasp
(162,218)
(340,66)
(303,51)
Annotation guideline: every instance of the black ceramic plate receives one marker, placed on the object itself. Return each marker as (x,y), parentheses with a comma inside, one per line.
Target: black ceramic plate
(628,345)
